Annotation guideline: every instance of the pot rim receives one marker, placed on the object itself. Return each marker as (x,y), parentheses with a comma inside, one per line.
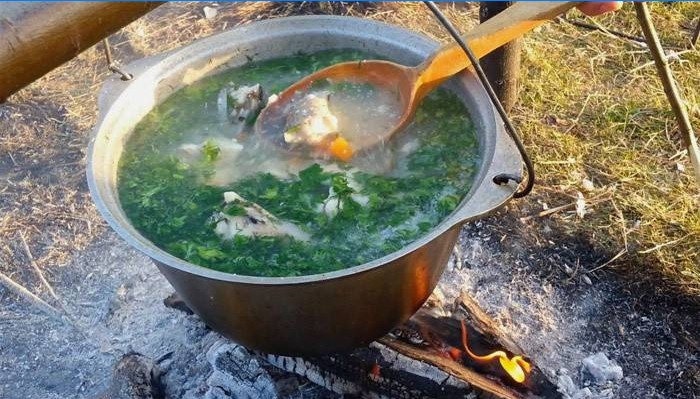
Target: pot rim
(479,201)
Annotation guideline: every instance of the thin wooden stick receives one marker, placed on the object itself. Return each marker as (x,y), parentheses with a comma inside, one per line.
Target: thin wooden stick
(659,246)
(696,34)
(670,87)
(585,25)
(613,259)
(36,267)
(27,295)
(669,57)
(65,314)
(623,222)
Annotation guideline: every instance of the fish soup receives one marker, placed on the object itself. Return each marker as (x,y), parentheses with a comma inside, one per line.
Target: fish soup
(197,181)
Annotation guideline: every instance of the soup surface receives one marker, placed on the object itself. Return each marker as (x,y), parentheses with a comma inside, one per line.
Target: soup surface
(196,181)
(356,114)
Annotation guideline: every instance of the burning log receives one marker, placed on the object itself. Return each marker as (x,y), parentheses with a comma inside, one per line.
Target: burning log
(442,341)
(422,358)
(375,371)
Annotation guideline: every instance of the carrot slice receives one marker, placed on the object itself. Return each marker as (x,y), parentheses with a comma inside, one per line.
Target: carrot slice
(341,148)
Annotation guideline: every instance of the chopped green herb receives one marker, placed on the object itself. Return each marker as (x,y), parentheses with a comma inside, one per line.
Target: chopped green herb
(166,200)
(211,151)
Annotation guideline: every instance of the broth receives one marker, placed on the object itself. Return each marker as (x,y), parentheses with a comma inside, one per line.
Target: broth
(358,112)
(196,181)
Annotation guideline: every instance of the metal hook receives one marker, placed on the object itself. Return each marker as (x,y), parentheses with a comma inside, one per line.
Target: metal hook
(501,178)
(114,67)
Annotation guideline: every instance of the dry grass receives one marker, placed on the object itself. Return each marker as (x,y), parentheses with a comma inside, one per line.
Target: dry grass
(584,111)
(588,111)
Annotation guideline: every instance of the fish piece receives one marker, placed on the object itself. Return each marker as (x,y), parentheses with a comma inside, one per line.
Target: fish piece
(240,105)
(246,101)
(310,121)
(228,151)
(233,161)
(253,221)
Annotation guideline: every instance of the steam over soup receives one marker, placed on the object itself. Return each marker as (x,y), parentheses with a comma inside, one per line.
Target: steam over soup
(196,181)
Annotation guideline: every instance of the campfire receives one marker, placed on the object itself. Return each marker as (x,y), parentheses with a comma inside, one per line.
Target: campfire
(516,367)
(430,355)
(433,356)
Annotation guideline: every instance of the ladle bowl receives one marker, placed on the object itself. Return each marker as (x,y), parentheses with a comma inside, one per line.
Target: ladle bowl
(411,84)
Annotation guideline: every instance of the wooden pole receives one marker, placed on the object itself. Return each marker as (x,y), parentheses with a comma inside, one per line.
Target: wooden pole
(696,34)
(670,87)
(503,65)
(38,37)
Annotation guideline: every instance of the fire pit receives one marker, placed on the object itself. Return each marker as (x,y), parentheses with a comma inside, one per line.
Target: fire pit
(315,314)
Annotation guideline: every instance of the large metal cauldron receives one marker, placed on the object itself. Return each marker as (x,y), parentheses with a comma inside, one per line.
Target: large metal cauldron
(299,315)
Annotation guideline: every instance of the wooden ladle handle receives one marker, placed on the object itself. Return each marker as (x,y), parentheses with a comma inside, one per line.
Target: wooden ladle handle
(513,22)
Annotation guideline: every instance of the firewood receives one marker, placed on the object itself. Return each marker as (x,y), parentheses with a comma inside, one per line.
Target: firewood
(483,322)
(440,334)
(375,371)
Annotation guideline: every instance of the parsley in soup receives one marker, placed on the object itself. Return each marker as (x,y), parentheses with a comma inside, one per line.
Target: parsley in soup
(196,181)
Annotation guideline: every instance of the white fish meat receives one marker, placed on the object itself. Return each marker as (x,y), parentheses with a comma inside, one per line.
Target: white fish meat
(310,121)
(255,223)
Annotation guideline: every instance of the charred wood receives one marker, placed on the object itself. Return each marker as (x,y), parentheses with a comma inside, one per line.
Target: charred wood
(135,376)
(174,301)
(375,372)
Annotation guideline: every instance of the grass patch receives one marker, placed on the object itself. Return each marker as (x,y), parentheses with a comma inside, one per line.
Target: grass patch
(586,102)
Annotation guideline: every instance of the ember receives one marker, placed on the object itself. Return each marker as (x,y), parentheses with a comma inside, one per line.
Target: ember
(516,367)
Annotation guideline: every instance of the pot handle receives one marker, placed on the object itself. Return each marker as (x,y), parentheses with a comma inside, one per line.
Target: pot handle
(113,85)
(498,183)
(487,199)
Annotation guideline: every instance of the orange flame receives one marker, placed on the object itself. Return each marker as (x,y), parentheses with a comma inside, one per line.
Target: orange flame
(516,367)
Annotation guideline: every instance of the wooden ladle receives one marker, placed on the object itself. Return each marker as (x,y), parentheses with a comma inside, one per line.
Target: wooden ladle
(414,83)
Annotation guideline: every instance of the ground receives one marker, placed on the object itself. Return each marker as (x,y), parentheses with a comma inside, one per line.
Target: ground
(591,111)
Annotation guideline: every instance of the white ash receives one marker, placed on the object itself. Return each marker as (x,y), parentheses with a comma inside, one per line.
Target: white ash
(314,374)
(210,12)
(601,368)
(569,390)
(237,374)
(587,185)
(115,296)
